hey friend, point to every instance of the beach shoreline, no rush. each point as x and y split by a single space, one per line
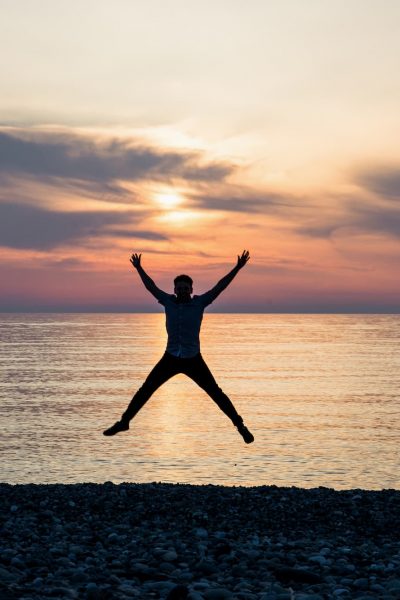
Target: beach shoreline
177 541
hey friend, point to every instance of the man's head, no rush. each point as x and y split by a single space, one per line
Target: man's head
183 287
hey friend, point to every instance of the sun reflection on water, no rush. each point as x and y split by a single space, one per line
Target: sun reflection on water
320 393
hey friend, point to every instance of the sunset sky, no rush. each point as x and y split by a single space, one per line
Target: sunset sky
188 131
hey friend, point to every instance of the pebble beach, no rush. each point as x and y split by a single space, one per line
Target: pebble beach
177 542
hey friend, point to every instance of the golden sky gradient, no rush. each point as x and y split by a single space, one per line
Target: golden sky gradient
188 131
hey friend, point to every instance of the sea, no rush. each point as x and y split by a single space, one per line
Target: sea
321 394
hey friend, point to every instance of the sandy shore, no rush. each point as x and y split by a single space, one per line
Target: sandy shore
198 542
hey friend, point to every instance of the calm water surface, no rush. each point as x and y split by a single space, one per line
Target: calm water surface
320 393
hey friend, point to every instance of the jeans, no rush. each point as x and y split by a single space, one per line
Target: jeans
195 368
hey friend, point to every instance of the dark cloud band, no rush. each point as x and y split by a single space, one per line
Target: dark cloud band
82 158
32 227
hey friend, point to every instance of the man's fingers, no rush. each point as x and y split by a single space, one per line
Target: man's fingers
242 260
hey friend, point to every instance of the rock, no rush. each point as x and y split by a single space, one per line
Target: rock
288 574
93 591
222 548
159 586
319 559
376 587
218 594
178 592
128 590
38 582
170 556
79 576
393 585
207 567
195 596
7 576
362 583
201 533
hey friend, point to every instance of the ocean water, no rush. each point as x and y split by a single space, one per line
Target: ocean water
319 392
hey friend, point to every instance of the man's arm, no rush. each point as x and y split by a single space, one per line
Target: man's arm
147 280
225 281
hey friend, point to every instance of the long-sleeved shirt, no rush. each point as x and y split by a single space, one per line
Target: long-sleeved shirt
183 322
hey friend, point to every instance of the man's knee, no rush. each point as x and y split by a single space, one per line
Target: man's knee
146 389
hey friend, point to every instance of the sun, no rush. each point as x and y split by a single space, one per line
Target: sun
169 199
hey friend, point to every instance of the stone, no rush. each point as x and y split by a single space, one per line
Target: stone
218 594
178 592
195 596
170 556
288 574
362 583
201 533
128 590
319 559
207 567
7 576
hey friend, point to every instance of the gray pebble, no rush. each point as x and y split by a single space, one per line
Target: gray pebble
170 556
200 532
362 583
127 590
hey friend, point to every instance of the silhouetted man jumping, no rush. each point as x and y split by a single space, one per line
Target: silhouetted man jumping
184 314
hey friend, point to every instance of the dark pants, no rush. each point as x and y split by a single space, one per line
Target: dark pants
196 369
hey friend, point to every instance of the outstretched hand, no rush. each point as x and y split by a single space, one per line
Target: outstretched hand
242 260
135 260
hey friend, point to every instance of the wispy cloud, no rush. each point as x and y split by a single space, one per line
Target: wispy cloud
360 217
135 233
233 198
78 157
376 218
27 226
382 180
375 209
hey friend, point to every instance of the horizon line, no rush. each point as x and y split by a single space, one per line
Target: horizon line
232 312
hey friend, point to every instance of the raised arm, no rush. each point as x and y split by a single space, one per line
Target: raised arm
147 280
225 281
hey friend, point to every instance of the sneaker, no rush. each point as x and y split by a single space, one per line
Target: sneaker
245 433
116 428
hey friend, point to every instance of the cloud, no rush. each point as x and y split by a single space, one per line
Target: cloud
320 230
375 213
83 158
358 217
383 181
26 226
245 202
377 218
66 263
147 235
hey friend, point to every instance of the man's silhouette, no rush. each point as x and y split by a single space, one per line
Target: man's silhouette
184 314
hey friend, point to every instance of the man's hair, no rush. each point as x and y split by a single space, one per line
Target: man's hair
184 278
